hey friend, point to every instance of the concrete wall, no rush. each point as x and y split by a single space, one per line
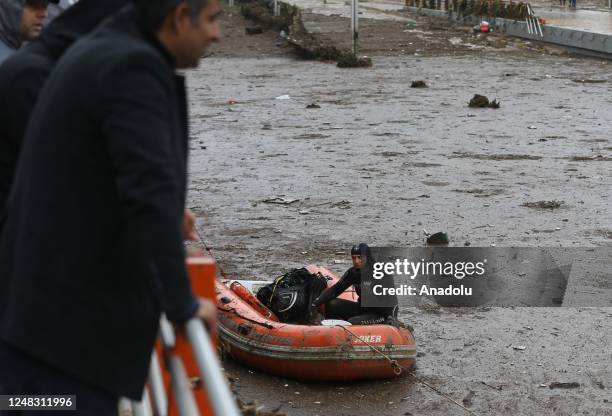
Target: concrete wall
579 41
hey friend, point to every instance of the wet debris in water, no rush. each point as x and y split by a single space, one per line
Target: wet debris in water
280 201
341 205
480 101
554 204
467 400
251 409
418 84
255 30
349 60
559 385
590 81
438 238
500 388
313 105
590 158
463 155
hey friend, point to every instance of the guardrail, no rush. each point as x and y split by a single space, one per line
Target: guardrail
185 377
155 400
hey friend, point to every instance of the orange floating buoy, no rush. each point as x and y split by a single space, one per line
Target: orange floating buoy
252 301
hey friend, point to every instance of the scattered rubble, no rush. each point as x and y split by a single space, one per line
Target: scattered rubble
252 409
554 204
467 400
480 101
255 30
438 238
280 201
465 155
349 60
590 81
558 385
599 158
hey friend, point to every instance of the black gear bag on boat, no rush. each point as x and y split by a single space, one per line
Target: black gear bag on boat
291 295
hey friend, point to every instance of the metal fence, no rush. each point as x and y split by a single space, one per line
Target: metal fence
487 8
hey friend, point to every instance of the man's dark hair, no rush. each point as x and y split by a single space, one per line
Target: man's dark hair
39 3
154 12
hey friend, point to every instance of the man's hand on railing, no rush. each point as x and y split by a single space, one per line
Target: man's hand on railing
207 312
189 230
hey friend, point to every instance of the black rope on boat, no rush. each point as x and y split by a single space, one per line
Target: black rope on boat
209 250
397 369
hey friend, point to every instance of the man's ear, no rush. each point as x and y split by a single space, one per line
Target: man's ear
182 16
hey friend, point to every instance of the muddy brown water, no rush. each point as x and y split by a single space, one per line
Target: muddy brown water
381 162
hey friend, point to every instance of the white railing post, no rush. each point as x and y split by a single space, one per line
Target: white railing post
143 408
158 391
211 374
214 381
182 389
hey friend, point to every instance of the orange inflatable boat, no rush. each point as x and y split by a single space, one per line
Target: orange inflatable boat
252 334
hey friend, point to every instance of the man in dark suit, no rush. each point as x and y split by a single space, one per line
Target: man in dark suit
24 73
91 253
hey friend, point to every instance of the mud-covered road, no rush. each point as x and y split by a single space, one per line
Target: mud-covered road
381 162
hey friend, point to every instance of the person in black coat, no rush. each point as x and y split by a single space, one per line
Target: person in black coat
92 253
24 73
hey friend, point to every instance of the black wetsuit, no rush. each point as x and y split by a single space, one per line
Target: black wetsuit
349 310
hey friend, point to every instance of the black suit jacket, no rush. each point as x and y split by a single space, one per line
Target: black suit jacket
92 252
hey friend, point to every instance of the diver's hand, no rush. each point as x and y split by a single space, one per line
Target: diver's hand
314 316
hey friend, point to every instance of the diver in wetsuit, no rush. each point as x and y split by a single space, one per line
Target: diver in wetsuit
347 310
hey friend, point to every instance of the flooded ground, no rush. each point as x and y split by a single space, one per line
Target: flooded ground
381 162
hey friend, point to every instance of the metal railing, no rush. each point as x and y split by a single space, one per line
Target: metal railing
215 384
533 23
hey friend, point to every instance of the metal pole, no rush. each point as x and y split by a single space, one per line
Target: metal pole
528 22
219 393
355 24
144 407
182 390
231 3
166 332
158 391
